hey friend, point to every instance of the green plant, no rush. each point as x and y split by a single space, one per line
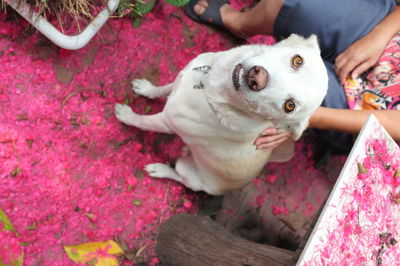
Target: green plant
138 8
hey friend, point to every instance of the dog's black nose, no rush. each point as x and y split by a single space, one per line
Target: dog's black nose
257 78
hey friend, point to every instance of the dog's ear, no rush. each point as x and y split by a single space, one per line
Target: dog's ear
295 39
312 41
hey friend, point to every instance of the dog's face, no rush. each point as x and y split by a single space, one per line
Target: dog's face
284 83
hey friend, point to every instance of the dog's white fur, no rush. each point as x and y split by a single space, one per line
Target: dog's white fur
219 122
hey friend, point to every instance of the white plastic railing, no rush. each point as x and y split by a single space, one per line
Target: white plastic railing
67 42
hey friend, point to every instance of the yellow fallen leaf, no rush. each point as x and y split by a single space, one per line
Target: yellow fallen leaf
107 262
98 253
7 225
14 262
16 258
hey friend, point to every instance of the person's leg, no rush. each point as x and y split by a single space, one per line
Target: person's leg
258 20
337 24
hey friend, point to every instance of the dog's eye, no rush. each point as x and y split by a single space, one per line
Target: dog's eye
297 61
289 106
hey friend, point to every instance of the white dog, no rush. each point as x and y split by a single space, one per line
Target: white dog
221 102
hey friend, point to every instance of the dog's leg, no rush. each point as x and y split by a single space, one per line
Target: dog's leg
145 88
283 153
145 122
185 172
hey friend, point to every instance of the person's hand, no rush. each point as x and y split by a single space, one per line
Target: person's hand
270 139
359 56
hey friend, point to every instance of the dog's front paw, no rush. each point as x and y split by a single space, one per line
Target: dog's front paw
143 87
160 170
124 113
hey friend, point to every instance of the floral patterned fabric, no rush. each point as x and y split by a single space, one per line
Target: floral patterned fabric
378 88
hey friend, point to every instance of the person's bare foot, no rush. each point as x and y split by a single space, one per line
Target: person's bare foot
229 15
257 19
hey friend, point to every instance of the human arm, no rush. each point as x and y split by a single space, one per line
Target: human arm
343 120
365 52
351 121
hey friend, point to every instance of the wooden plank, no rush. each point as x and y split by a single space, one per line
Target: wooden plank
198 240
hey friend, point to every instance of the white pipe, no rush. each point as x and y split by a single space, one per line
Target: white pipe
60 39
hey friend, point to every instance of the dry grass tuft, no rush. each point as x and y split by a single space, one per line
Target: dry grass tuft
75 8
65 11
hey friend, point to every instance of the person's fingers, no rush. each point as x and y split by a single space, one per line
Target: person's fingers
271 144
361 69
271 140
340 61
268 131
348 68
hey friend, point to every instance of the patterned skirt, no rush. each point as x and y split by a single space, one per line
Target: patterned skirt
378 88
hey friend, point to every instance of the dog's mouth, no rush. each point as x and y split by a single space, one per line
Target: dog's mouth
236 76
